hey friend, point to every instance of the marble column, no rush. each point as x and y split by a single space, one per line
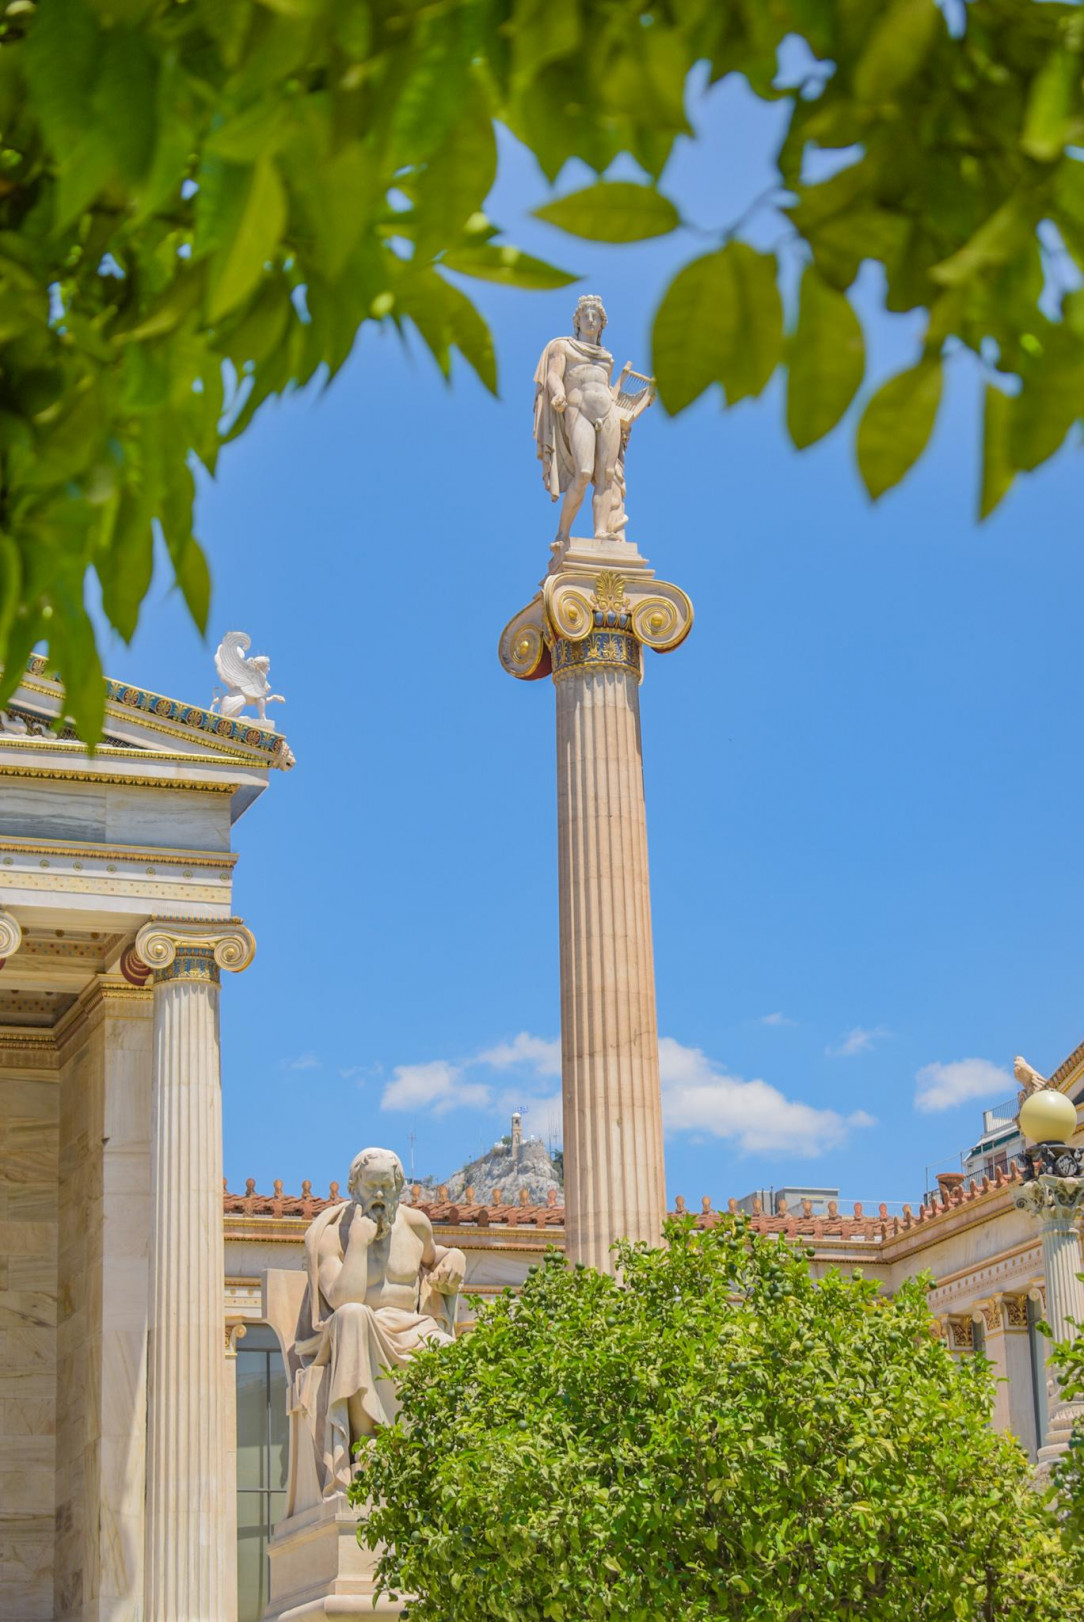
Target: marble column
188 1565
1056 1203
587 628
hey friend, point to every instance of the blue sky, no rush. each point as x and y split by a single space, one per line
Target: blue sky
863 769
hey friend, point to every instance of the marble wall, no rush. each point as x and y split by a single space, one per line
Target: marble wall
117 814
29 1112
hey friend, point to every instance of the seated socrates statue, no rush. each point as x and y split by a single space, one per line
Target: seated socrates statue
378 1290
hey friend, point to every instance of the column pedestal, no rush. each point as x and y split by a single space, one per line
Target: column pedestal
599 605
1057 1202
188 1566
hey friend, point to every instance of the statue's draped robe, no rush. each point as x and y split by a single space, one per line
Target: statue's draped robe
550 433
342 1352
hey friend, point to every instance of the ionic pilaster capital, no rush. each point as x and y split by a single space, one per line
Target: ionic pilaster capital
11 936
601 616
988 1313
233 1333
194 949
1057 1201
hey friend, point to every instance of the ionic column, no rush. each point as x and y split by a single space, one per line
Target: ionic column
586 628
187 1563
1056 1203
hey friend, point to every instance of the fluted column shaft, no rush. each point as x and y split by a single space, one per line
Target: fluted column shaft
1061 1264
599 606
614 1175
187 1564
1057 1202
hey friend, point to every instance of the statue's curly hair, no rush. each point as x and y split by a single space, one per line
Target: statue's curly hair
588 301
360 1161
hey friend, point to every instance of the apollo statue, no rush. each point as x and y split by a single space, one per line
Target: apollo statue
379 1289
582 422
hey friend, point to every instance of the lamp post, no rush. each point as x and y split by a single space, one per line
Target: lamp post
1053 1193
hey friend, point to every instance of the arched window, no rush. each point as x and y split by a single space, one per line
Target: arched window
262 1462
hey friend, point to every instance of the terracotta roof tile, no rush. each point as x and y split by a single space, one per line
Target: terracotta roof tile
440 1210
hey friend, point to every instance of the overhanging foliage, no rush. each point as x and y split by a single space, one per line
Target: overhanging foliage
202 201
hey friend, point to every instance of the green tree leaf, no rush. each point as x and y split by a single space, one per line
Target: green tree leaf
1050 401
999 239
612 211
720 321
896 426
997 469
506 265
126 563
457 179
256 204
123 102
1054 90
899 45
827 360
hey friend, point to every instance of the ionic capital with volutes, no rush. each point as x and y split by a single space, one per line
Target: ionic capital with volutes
194 949
586 617
11 936
1057 1201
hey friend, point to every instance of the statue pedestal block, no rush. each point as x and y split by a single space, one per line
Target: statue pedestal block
319 1570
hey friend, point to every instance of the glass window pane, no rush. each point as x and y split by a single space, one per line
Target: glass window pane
251 1556
258 1338
279 1459
252 1419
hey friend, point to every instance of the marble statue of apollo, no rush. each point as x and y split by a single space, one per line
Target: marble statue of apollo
582 422
379 1289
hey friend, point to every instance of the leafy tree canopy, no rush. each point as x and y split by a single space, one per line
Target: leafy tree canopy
201 201
1068 1475
718 1437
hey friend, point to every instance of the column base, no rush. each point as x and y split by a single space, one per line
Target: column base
1058 1432
319 1569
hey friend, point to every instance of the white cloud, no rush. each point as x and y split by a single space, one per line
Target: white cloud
698 1096
857 1040
544 1057
441 1085
305 1061
775 1019
437 1086
943 1086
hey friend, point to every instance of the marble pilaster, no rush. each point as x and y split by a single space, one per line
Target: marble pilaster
599 605
188 1565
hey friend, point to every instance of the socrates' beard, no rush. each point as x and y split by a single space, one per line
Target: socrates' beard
381 1214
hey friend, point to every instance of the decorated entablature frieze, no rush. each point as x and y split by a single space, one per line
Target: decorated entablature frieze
585 618
254 738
